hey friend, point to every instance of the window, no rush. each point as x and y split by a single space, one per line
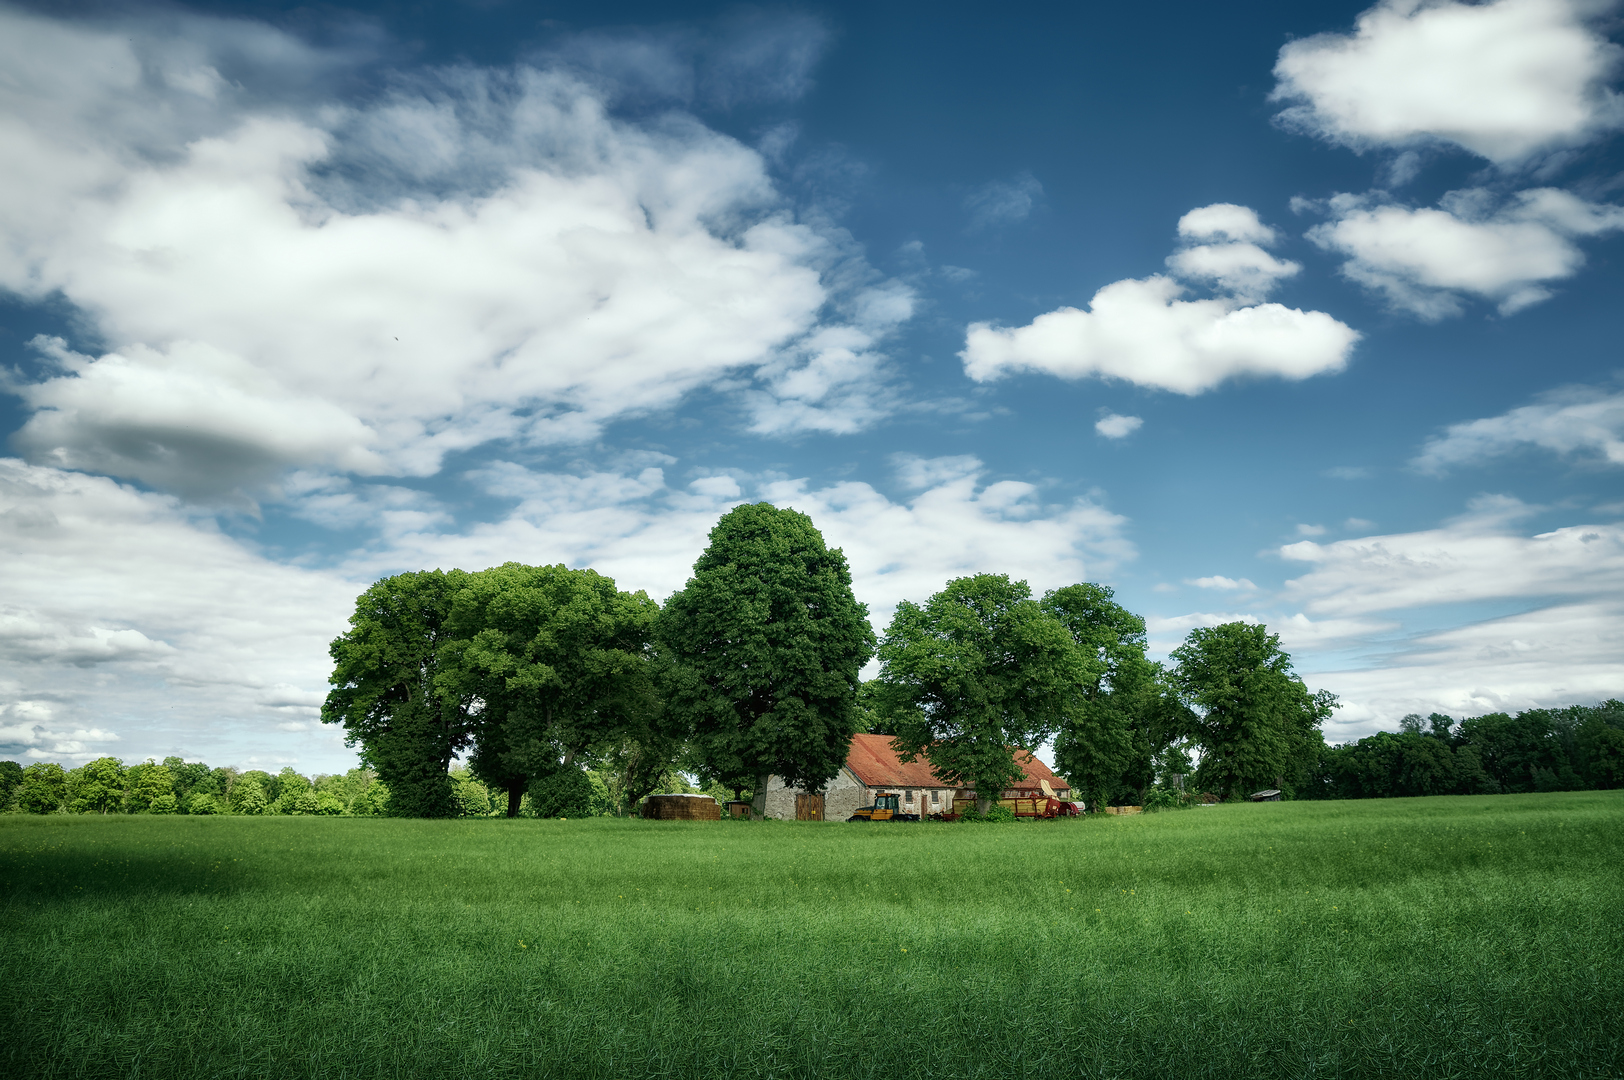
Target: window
907 796
936 796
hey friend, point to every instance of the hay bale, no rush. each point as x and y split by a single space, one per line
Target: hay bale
682 808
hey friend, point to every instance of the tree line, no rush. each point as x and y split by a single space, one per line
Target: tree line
176 786
1571 749
540 677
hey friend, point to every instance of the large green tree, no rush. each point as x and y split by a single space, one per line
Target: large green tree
1123 713
1257 724
97 787
389 696
976 673
43 788
561 662
765 644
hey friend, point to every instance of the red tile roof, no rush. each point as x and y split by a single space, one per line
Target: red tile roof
873 761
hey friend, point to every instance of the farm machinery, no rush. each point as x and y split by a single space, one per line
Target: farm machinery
1039 802
887 807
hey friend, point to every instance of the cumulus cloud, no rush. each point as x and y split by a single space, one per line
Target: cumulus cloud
1113 426
478 254
1504 80
1563 654
1476 557
1218 581
1585 422
1141 331
646 532
126 616
1003 202
1543 628
1429 260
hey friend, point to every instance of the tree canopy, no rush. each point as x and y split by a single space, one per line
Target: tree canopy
976 673
389 695
560 661
1122 713
764 645
1257 724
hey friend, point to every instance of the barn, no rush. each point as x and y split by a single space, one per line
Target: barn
872 767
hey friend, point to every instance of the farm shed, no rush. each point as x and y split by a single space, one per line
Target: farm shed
872 767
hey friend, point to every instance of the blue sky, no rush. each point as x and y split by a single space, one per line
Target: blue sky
1301 314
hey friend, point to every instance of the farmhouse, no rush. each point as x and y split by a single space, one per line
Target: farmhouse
872 767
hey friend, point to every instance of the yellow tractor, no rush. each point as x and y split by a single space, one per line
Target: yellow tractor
887 807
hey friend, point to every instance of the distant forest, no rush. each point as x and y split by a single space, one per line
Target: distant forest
1570 749
176 786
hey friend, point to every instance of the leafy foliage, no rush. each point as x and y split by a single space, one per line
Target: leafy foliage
763 647
977 672
388 693
560 661
1257 724
1123 712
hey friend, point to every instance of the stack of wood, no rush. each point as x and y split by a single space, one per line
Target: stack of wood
682 808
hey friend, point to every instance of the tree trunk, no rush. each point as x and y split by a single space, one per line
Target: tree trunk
515 793
983 804
759 804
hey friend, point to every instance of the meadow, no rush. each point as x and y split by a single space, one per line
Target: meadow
1447 937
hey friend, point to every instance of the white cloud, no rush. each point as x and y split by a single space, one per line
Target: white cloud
125 614
1310 530
1581 421
1003 202
480 254
1218 581
1428 260
1476 557
1139 330
1505 80
646 534
1113 426
1564 654
1225 221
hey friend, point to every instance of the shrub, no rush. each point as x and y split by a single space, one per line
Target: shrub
202 803
566 793
996 813
328 804
164 804
1165 799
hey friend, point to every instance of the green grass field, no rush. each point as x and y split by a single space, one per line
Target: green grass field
1396 938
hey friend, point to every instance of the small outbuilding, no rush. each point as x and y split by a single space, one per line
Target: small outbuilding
1266 795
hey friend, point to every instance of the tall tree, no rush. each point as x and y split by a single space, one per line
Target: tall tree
976 673
389 696
560 660
766 642
1123 713
43 788
1257 724
97 787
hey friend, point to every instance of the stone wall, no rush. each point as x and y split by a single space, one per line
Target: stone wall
843 796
